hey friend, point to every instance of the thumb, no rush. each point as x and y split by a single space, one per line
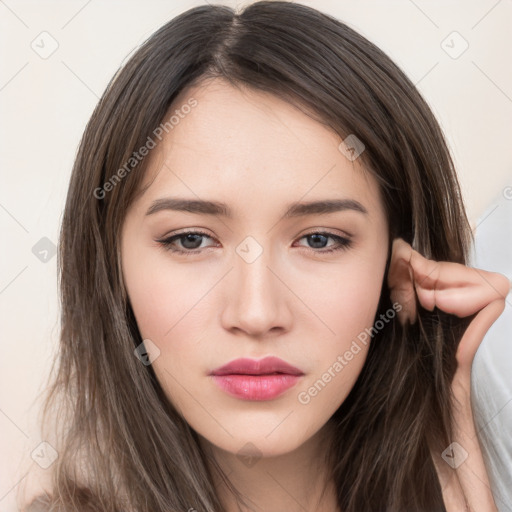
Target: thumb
401 280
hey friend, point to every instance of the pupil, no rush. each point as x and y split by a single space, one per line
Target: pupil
316 238
193 239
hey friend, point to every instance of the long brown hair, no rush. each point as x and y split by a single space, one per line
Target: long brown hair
121 444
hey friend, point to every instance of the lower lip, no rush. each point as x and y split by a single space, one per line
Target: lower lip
256 387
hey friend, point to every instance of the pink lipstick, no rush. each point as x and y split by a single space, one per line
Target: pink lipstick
251 379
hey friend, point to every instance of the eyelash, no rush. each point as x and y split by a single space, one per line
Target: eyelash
343 243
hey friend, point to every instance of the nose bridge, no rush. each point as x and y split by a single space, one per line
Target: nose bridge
257 300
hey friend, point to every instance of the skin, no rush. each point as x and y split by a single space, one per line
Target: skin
257 154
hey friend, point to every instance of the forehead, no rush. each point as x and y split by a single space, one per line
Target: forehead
241 145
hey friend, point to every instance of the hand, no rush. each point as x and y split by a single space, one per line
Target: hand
461 291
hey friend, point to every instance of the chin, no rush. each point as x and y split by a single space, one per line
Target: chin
264 443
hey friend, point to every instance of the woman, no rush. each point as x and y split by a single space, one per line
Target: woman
257 372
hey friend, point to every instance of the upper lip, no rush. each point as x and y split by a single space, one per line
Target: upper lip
265 366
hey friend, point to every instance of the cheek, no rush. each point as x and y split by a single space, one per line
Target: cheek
343 297
356 304
349 302
346 301
172 308
165 298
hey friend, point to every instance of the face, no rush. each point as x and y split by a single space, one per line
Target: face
256 274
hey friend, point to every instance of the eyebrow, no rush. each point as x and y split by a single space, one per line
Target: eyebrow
296 209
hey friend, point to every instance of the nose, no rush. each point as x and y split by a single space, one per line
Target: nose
257 300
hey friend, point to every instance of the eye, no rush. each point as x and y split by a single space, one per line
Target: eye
191 242
319 240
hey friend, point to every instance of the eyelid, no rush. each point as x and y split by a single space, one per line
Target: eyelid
326 231
186 231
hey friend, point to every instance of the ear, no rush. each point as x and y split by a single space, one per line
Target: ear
401 280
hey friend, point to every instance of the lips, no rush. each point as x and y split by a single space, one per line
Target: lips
251 379
266 366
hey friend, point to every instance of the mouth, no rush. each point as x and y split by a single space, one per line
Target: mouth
257 380
266 366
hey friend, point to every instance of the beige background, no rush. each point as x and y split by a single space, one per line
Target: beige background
46 102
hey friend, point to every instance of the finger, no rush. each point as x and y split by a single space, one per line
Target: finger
455 288
475 333
400 280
